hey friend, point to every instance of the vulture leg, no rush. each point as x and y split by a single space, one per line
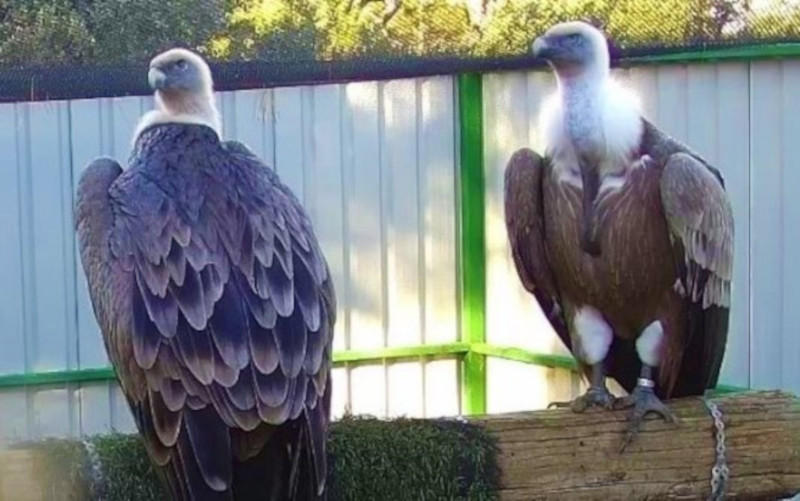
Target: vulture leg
591 338
596 396
643 399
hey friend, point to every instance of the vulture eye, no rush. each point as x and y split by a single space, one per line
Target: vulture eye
181 64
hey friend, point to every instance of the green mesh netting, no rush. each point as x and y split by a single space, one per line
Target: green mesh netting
299 41
114 31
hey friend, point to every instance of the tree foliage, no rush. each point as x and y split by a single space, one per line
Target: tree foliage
106 31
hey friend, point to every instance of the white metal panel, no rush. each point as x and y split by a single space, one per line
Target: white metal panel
327 193
289 133
53 412
436 136
509 124
790 293
776 234
368 390
12 313
340 392
404 382
671 96
442 388
47 196
95 408
516 386
402 207
766 246
251 121
362 199
51 337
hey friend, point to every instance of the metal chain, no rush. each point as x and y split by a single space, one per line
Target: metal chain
720 471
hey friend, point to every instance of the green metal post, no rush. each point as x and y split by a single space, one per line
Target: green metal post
473 244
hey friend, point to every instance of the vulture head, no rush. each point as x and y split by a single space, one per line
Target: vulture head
180 71
184 91
574 48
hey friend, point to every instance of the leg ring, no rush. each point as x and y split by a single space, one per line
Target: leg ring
645 383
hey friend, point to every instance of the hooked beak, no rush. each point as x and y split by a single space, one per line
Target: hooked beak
541 48
157 79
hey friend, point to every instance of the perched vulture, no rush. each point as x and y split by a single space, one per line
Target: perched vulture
623 235
215 302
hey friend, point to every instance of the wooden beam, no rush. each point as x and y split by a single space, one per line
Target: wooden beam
561 455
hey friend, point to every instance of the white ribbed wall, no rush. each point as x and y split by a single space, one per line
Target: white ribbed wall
376 165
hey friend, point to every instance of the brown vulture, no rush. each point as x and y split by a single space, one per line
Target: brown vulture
623 235
214 299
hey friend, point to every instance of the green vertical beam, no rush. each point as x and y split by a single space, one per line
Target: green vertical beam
473 243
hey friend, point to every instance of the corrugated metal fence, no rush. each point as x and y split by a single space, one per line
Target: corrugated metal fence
376 165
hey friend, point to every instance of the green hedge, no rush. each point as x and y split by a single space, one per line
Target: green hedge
371 459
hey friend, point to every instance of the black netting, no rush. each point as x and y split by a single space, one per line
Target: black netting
81 48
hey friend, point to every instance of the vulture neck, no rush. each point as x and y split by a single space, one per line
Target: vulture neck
183 108
597 129
596 121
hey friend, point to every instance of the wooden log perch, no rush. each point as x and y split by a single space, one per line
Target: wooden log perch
539 455
561 455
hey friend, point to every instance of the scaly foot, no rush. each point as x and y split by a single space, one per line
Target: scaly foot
595 396
643 400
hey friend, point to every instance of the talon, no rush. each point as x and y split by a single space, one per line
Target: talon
644 401
594 397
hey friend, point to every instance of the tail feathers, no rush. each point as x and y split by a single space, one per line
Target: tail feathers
702 356
192 474
287 462
284 469
317 438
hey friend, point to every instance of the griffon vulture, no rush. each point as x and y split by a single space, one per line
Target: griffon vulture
623 235
214 299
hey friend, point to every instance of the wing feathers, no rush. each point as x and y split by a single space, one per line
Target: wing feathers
291 338
195 349
263 349
700 220
280 413
190 297
281 286
272 388
525 224
146 338
307 295
229 329
229 306
211 446
166 423
700 216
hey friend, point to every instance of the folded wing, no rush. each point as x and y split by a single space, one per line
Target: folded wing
524 214
215 287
